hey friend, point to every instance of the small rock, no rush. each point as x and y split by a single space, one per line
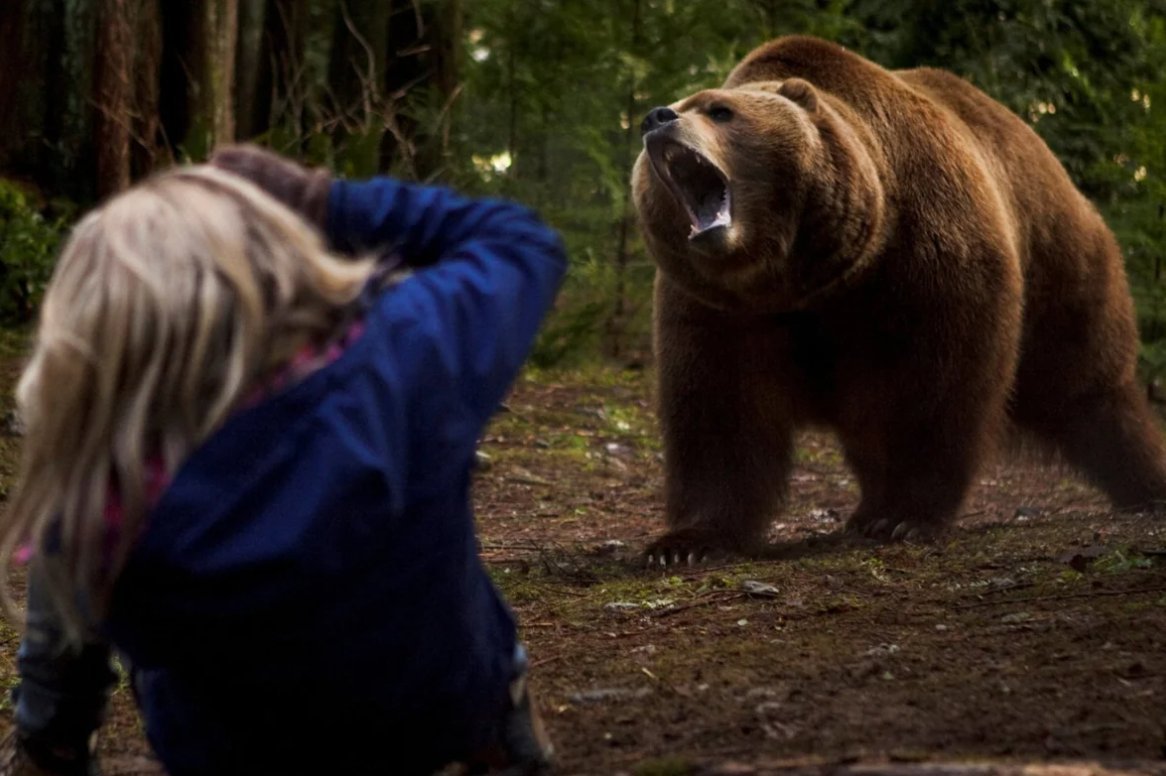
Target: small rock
527 477
600 695
483 462
1016 617
882 650
621 606
618 450
759 589
762 692
825 515
609 547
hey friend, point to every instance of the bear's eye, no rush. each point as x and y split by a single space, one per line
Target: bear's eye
719 114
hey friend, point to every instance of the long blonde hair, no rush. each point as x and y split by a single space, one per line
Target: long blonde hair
167 305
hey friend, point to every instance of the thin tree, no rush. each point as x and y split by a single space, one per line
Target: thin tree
149 149
14 64
198 74
280 89
356 78
249 64
113 93
218 98
616 321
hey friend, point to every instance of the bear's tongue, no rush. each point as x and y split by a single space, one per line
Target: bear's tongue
699 186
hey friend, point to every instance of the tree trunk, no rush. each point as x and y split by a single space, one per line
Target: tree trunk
356 77
404 72
218 95
70 98
616 322
14 72
280 103
445 66
248 66
113 91
181 60
198 74
149 147
49 164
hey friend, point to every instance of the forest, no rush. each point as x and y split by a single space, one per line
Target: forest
537 100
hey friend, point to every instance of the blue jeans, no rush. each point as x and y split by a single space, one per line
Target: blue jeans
63 691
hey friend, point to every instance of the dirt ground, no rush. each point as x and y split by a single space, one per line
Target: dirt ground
1032 639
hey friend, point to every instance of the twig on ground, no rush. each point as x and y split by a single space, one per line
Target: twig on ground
714 597
536 663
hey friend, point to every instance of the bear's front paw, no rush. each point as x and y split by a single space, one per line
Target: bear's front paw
890 530
685 546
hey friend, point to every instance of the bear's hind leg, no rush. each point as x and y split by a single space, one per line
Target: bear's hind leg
914 488
916 452
1116 441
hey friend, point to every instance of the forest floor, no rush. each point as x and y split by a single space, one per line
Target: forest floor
1031 639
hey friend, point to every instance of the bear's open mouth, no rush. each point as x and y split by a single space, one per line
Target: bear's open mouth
696 183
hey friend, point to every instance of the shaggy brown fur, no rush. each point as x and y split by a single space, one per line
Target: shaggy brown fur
903 261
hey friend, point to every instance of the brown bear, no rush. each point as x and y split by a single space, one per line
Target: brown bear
890 255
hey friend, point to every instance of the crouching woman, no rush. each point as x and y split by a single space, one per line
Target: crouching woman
247 465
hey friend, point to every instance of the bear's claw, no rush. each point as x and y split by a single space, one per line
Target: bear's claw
662 558
683 547
905 532
885 530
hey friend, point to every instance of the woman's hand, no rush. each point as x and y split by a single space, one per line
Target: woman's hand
302 189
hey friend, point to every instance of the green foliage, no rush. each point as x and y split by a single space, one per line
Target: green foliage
1123 560
1068 68
28 247
554 93
553 100
549 96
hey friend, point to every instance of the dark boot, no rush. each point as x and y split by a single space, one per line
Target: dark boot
21 755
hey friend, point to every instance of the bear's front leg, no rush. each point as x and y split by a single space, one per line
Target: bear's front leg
727 433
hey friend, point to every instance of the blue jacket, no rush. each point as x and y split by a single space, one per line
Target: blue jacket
307 596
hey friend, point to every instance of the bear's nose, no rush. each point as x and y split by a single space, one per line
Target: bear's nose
656 118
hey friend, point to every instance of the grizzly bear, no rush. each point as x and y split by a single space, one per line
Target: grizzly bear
891 255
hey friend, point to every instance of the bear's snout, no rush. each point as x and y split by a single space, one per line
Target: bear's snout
656 118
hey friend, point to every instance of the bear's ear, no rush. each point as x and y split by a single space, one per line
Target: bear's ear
801 92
